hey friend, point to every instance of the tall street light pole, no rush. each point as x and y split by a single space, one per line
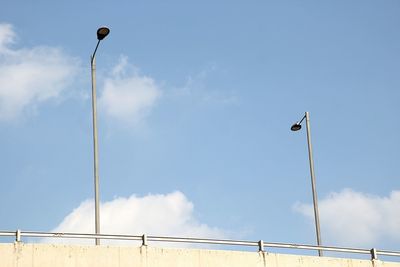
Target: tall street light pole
101 34
296 127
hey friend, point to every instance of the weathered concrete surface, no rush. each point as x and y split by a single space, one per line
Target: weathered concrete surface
44 255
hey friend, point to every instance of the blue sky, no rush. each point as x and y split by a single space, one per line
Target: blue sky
196 100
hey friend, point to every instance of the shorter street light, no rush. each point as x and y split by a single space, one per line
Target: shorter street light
296 127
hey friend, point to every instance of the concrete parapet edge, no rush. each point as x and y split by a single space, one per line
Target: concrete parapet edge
56 255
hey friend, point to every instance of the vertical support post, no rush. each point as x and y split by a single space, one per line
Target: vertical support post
313 184
95 151
144 240
18 235
374 254
261 246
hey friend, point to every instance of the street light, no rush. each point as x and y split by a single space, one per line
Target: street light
101 34
296 127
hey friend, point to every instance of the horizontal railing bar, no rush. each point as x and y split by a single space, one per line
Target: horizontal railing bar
388 253
200 240
81 235
252 243
312 247
5 233
194 240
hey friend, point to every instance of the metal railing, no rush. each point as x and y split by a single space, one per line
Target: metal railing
146 238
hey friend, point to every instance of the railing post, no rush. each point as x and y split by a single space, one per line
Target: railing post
18 235
261 246
144 240
374 254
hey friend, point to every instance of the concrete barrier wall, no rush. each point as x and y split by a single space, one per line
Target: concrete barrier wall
44 255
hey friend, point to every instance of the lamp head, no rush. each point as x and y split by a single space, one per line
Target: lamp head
102 33
295 127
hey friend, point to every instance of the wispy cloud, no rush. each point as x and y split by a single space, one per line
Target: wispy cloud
357 219
170 214
7 37
128 96
198 90
30 76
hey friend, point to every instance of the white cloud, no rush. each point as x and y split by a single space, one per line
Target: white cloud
169 215
7 36
351 218
30 76
128 96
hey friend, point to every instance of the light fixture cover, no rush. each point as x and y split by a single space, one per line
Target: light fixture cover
295 127
102 33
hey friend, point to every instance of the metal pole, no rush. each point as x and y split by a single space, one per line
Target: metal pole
96 160
314 191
